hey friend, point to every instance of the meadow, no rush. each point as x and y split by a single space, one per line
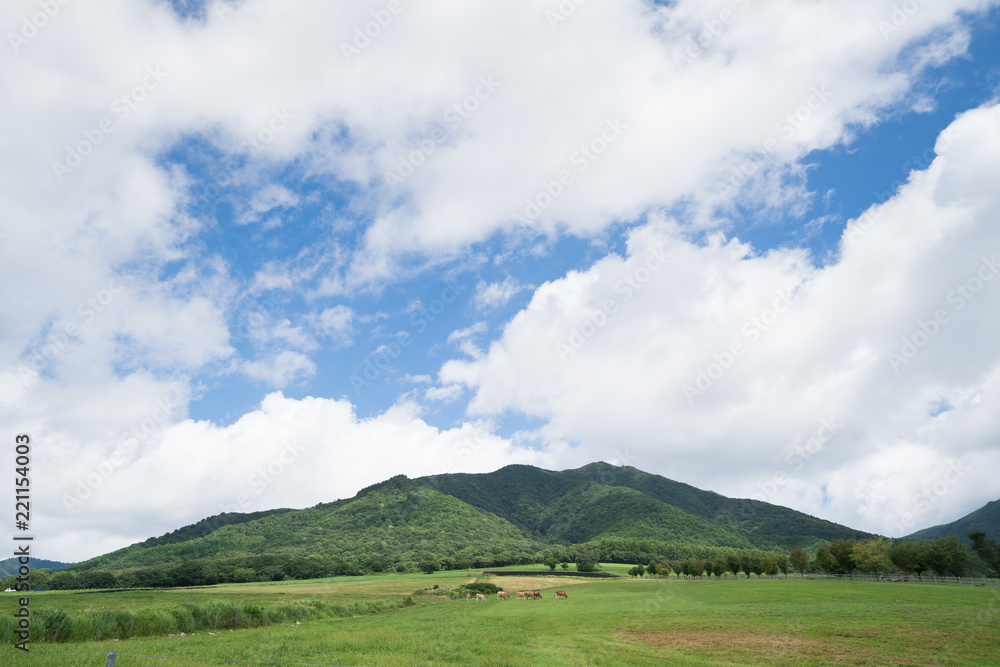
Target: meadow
382 620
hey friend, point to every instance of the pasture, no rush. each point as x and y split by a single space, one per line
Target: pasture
601 622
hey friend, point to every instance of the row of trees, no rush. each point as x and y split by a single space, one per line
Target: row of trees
733 563
945 556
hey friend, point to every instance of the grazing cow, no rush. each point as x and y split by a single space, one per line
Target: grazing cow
468 596
535 595
502 596
522 595
480 597
561 594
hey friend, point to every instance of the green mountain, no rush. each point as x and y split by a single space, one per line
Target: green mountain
986 518
10 565
395 521
516 515
523 494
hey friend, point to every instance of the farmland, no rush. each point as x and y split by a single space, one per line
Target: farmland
369 621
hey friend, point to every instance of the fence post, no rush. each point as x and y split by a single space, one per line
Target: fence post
111 659
54 637
5 632
131 627
98 630
161 629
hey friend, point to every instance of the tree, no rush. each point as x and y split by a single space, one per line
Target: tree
552 563
697 568
907 556
586 563
733 564
843 552
428 567
825 560
988 550
640 569
564 566
746 564
767 565
677 567
782 562
719 568
653 568
800 560
948 556
872 555
633 571
757 565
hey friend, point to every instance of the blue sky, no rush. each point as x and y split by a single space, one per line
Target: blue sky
746 246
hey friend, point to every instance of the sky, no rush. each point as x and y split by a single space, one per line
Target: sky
263 254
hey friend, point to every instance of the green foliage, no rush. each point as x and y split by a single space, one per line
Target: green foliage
988 550
483 587
986 518
767 565
429 567
826 561
799 559
948 556
843 552
872 555
909 557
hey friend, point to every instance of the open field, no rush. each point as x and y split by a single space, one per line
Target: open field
603 622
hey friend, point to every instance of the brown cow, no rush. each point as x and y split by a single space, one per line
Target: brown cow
561 594
502 596
468 596
522 595
480 597
535 595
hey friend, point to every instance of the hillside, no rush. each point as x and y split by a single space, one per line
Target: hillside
397 521
10 565
986 518
523 494
516 515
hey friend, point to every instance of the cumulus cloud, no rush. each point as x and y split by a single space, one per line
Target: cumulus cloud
817 377
286 453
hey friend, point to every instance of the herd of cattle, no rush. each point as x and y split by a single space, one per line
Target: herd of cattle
526 595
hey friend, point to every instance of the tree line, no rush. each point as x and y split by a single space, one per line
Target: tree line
944 556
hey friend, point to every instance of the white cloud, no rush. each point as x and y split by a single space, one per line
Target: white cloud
268 458
337 324
446 394
280 370
496 295
612 354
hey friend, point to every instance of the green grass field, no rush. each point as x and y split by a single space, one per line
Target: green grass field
603 622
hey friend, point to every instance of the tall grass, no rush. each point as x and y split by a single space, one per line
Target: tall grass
56 625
